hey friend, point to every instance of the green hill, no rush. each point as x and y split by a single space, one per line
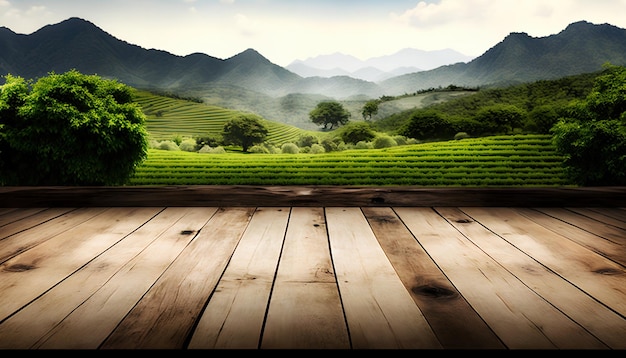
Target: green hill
168 117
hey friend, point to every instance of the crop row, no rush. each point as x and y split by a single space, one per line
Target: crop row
167 117
469 162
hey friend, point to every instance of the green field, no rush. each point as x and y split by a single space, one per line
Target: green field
169 117
520 160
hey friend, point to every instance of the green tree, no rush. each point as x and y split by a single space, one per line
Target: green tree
592 137
428 124
69 129
370 109
500 118
329 112
357 131
245 130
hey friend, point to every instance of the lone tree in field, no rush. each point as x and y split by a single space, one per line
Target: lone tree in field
245 130
69 129
329 112
370 109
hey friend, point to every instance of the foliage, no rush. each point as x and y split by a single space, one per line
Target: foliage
168 145
329 112
384 141
317 149
307 140
461 112
592 137
210 139
289 148
245 130
500 118
69 129
355 132
428 125
370 108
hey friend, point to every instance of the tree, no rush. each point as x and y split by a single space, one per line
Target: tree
592 137
356 132
370 109
245 130
69 129
329 112
500 118
428 124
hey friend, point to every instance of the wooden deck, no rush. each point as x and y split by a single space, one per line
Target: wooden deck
262 276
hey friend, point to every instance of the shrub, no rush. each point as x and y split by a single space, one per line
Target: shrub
168 145
317 149
384 141
290 148
188 145
69 129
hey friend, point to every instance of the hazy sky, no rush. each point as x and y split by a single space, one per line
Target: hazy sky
286 30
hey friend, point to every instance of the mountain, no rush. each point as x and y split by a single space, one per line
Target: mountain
376 69
78 44
249 80
582 47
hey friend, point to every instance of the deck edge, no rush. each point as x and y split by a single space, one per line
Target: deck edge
351 196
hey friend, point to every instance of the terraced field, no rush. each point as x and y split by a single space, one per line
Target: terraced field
521 160
168 117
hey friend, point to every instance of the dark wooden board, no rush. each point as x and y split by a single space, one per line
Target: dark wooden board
276 196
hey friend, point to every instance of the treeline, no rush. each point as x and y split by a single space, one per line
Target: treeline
527 108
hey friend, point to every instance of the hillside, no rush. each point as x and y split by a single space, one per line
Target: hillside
168 117
582 47
250 82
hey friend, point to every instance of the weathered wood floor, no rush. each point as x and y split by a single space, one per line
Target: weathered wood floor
307 277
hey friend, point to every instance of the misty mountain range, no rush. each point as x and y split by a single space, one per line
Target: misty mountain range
376 69
249 81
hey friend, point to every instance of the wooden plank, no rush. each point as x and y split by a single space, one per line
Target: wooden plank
380 312
83 309
310 195
112 302
165 315
595 274
25 219
614 213
23 240
453 320
587 233
608 216
305 310
521 318
33 272
9 215
235 314
607 231
600 321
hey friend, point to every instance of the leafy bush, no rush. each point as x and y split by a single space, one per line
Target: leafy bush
168 145
355 132
290 148
317 149
188 145
69 129
384 141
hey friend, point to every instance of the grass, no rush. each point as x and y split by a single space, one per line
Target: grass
520 160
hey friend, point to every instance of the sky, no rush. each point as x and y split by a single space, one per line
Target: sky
288 30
